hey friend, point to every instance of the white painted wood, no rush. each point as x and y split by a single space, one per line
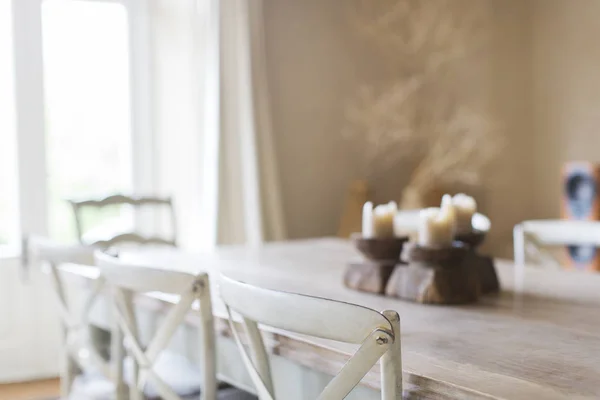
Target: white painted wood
78 205
371 350
24 303
126 280
391 363
125 238
259 353
208 348
530 237
78 350
344 322
317 317
257 368
139 278
562 232
44 249
118 352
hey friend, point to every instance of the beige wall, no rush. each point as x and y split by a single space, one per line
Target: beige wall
566 66
310 65
315 62
508 190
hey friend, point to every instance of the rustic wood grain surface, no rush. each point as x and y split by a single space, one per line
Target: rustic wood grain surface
543 343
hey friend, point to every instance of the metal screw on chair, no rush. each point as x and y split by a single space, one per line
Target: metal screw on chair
381 340
198 286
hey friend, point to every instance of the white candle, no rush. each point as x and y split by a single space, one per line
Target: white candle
383 215
367 220
465 207
437 225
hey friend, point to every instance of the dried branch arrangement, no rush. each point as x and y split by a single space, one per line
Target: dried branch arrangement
422 117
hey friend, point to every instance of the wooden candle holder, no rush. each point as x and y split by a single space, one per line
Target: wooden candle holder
484 265
381 256
436 276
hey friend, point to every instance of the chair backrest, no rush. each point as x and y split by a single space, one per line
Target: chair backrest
407 221
58 255
377 333
45 249
126 280
531 236
124 237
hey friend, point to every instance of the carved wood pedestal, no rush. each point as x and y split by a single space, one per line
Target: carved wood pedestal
484 265
368 276
436 276
454 275
381 257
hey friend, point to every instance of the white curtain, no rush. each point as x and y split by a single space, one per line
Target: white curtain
248 199
214 125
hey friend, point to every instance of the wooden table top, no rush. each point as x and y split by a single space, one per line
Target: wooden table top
544 344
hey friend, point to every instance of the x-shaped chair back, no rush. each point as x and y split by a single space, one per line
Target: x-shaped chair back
127 280
377 333
75 325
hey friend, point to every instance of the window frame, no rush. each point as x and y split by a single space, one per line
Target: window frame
32 185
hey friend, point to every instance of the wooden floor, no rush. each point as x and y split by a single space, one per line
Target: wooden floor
35 390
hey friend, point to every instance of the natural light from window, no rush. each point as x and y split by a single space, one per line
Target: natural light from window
88 111
8 165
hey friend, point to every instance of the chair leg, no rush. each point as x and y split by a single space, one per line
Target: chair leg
208 356
68 372
391 363
117 359
135 392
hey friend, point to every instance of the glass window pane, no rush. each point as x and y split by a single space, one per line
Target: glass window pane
8 165
86 79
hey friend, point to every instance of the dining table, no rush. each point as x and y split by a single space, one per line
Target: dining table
540 341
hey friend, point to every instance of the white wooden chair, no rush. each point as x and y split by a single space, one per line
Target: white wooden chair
78 350
138 202
531 237
378 335
128 280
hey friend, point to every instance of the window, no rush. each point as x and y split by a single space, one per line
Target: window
8 164
88 109
81 106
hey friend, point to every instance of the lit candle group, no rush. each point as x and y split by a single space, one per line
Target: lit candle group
378 222
465 207
437 226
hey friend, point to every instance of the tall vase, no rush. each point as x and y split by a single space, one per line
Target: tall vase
357 195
